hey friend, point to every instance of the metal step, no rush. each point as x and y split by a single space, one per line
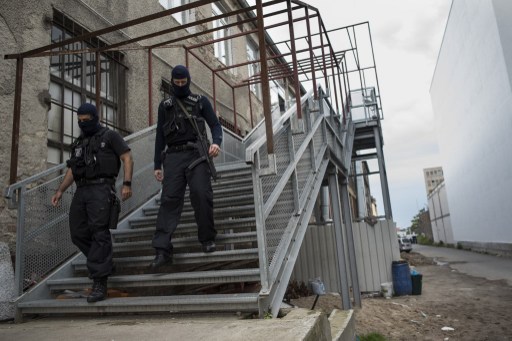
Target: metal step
245 211
226 201
161 279
232 238
182 303
221 224
241 210
180 258
226 191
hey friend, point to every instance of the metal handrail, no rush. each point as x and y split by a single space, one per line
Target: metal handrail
9 192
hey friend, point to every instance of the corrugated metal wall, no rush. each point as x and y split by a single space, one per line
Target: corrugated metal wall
375 247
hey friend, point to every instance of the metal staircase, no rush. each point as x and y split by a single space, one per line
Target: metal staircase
261 212
263 202
195 282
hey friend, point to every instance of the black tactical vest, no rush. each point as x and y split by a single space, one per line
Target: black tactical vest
93 158
177 127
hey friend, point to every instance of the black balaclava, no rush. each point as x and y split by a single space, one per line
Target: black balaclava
180 72
91 127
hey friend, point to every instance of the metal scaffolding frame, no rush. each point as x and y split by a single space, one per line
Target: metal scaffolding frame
277 61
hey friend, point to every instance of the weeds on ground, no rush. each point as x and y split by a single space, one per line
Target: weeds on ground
424 240
372 337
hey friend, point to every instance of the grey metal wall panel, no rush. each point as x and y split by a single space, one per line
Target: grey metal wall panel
317 257
375 247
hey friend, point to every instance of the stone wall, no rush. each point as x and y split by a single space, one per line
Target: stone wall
25 25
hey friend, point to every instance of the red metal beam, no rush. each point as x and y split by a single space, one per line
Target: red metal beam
16 122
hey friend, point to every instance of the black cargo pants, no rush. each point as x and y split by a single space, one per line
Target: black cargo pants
176 178
89 217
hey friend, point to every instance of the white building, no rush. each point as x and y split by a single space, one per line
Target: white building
472 101
433 177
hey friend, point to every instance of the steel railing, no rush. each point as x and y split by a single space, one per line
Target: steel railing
281 197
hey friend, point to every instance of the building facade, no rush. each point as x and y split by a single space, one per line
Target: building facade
471 96
55 86
439 216
433 177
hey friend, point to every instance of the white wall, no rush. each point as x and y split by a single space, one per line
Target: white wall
439 213
472 102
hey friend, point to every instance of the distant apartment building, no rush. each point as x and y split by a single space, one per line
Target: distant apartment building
471 95
438 215
433 177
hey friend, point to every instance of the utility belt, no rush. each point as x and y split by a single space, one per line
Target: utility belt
181 147
86 182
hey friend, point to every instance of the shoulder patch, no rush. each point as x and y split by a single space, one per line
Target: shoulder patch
168 103
194 97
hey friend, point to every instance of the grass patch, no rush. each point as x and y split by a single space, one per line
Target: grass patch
372 337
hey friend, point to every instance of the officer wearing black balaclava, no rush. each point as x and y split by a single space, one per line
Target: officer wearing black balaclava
92 126
94 165
176 150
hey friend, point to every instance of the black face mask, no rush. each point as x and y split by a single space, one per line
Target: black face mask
90 127
181 91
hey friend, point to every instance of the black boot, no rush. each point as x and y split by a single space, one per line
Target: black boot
209 246
160 260
99 291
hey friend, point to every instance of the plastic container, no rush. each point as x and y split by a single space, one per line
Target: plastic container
402 283
416 283
386 289
317 286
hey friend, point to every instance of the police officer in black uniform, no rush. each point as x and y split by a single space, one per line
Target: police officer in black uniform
176 131
94 165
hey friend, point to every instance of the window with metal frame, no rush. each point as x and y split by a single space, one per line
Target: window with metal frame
222 49
254 68
182 17
73 82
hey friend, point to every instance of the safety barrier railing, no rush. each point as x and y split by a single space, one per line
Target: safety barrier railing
42 232
280 197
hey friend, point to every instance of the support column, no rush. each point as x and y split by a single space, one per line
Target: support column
340 247
383 175
150 87
347 219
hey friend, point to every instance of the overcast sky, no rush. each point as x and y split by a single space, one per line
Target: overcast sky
406 35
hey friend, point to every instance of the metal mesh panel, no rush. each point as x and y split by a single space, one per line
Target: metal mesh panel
318 140
282 153
45 241
304 170
298 139
278 219
330 139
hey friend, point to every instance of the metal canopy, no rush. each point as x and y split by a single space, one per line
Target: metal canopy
310 57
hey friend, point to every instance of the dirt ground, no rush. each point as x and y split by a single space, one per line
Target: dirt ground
476 308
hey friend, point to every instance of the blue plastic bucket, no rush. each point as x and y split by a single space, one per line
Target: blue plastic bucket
402 283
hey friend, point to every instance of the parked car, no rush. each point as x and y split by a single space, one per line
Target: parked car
404 244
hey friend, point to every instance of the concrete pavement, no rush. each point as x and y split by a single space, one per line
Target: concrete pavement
471 263
298 324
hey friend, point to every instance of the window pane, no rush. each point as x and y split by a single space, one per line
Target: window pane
74 79
221 48
53 156
54 122
55 92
